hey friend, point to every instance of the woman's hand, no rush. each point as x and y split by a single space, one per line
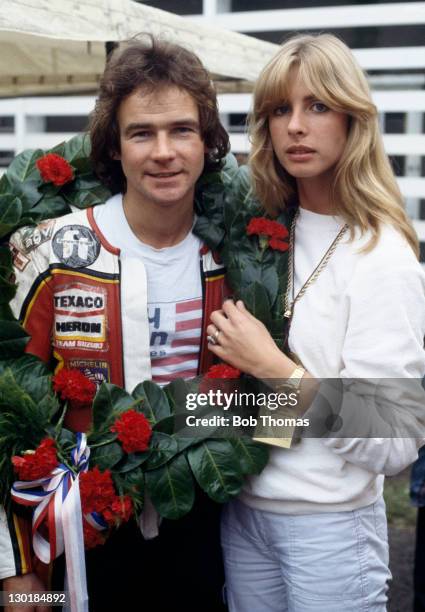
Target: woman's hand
244 342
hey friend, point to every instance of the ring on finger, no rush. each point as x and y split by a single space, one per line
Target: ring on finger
213 338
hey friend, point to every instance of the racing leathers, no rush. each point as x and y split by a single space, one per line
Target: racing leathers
71 299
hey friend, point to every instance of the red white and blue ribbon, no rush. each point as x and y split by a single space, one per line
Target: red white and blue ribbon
57 504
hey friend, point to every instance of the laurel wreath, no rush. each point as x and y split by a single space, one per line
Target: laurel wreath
29 409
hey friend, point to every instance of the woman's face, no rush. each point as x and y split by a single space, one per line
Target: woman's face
308 137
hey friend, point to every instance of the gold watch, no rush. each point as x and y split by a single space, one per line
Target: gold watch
294 381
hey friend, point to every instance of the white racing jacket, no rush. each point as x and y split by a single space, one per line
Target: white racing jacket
72 299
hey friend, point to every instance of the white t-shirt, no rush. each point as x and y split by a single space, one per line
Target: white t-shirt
174 291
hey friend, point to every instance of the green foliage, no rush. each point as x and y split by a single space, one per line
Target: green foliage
215 465
252 457
110 401
171 488
25 199
26 410
29 409
209 203
400 512
107 456
10 213
257 275
23 168
155 404
163 448
7 286
13 339
132 461
133 484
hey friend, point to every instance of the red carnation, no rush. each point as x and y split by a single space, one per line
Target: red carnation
74 387
37 464
119 511
96 490
133 431
213 379
55 169
266 227
274 231
278 245
257 225
277 230
92 536
222 370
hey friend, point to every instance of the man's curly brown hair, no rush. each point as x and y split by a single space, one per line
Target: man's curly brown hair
149 65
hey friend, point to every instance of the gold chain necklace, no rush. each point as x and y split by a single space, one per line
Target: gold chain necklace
289 307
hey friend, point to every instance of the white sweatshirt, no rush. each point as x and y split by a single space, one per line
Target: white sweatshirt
364 317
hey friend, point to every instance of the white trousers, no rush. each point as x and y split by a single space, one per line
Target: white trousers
328 562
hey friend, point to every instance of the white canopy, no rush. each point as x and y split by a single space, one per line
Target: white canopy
54 46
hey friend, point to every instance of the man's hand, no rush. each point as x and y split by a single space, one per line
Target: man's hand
29 583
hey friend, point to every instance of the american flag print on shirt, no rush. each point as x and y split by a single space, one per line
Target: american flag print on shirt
175 339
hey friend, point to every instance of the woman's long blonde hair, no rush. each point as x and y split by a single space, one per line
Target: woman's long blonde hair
365 192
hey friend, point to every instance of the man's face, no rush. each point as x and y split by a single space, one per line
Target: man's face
161 148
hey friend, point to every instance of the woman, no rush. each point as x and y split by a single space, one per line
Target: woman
309 533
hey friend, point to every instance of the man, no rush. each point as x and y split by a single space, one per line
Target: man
123 292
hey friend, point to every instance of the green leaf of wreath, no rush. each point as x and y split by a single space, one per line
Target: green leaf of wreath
165 425
66 439
54 206
109 401
163 448
24 368
171 488
252 456
27 191
133 484
34 378
85 191
176 392
7 286
155 404
76 151
23 167
215 465
58 149
17 406
13 339
256 300
132 461
106 457
10 213
22 425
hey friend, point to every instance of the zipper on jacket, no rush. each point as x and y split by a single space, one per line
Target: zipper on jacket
203 337
120 321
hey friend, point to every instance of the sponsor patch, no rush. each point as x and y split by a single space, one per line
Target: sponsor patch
76 246
97 371
20 261
80 317
29 238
